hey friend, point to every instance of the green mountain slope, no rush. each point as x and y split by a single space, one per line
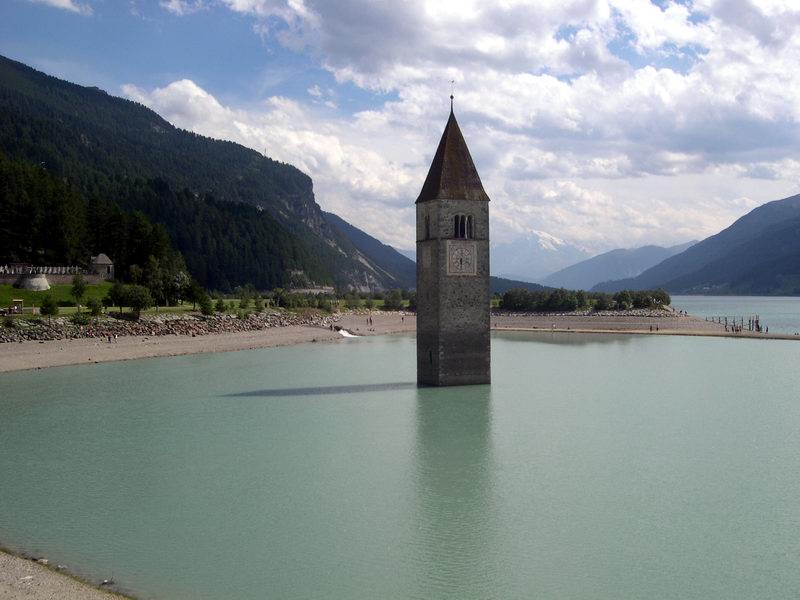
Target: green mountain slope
710 266
500 285
111 148
224 244
769 263
616 264
94 138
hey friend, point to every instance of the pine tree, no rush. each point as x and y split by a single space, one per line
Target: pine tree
49 307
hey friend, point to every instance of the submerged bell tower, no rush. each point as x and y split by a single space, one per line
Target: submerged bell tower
453 298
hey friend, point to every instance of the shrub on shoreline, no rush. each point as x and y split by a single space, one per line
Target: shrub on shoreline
562 300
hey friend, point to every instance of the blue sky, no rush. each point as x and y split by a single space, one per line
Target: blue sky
139 41
593 123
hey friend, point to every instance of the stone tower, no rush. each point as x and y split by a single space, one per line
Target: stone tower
453 299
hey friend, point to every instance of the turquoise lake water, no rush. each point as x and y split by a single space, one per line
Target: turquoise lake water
780 313
597 467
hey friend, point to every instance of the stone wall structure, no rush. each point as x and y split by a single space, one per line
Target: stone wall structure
17 274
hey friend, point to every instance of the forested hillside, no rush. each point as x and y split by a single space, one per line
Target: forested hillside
237 216
98 140
44 221
224 244
769 263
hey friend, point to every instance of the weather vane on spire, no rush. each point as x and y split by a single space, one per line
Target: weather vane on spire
452 89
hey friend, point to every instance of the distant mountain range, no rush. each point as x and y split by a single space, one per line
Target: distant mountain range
500 285
236 216
411 254
534 256
758 254
386 257
615 264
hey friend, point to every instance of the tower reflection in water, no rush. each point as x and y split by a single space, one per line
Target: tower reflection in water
455 503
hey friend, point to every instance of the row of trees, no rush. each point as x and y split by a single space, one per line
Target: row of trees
160 284
141 297
392 300
561 300
376 295
45 221
136 297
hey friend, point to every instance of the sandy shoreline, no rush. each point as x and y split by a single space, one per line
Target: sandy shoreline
25 579
670 324
38 355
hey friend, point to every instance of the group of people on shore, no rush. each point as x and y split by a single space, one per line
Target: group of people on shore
736 324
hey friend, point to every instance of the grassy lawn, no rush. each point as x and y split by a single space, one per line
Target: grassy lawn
60 294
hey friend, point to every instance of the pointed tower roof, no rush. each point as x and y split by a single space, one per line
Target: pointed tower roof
452 175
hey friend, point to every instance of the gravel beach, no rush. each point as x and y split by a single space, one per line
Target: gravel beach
24 579
174 337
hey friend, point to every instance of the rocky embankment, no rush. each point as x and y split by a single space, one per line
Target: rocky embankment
156 325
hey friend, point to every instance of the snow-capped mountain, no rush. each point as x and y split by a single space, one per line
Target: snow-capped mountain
534 256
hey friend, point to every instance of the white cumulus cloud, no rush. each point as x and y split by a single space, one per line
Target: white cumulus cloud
82 8
182 7
602 122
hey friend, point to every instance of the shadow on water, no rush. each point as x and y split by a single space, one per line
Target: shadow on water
328 390
560 338
455 495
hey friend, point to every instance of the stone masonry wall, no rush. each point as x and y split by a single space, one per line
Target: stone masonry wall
453 318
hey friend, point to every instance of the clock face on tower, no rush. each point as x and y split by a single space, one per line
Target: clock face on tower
461 258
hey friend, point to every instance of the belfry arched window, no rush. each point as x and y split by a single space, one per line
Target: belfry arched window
463 226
